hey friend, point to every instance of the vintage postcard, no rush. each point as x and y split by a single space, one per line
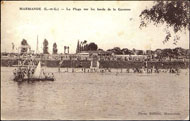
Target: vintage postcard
95 60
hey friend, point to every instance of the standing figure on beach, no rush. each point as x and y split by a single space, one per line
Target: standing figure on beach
59 68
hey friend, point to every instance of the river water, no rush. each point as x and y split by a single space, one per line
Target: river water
96 96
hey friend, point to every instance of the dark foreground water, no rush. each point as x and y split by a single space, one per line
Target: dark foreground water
96 96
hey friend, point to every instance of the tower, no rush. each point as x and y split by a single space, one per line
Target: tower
13 46
78 46
37 51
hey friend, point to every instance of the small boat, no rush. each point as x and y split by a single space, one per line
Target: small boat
30 73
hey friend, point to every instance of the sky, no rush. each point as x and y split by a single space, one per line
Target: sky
107 29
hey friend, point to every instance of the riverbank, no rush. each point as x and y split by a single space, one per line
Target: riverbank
103 64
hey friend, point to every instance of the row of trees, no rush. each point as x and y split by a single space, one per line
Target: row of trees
45 47
81 46
176 52
125 51
84 46
24 47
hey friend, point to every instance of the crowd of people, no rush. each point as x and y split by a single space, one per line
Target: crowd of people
122 70
26 70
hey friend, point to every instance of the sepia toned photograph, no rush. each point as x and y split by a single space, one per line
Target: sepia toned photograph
95 60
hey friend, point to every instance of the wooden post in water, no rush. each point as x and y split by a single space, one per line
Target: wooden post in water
59 67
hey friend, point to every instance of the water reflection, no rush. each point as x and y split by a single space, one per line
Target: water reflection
25 97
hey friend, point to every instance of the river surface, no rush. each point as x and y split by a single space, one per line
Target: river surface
96 96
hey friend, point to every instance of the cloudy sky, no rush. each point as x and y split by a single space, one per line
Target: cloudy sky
107 29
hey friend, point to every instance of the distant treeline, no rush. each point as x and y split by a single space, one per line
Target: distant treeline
178 51
84 46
